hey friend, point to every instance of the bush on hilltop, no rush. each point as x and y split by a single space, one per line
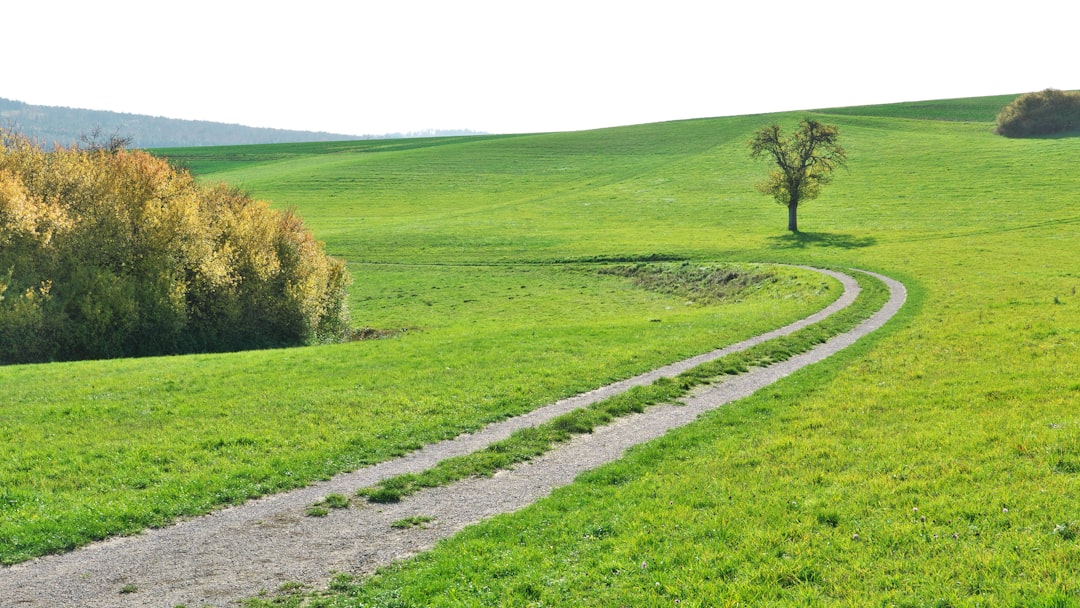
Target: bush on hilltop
1044 113
108 252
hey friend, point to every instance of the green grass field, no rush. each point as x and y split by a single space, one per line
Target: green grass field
936 463
93 449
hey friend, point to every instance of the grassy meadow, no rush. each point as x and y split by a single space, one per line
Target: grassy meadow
98 448
935 463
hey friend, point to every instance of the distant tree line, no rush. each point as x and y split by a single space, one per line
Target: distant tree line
1047 112
51 125
107 252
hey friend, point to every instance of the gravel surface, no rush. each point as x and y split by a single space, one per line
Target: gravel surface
238 552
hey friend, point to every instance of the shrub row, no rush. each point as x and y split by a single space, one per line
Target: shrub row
1044 113
110 252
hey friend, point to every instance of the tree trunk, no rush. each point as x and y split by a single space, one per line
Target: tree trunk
792 217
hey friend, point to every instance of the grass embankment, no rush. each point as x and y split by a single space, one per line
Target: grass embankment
933 465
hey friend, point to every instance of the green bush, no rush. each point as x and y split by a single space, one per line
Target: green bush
1044 113
107 253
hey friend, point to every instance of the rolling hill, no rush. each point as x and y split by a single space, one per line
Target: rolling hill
936 463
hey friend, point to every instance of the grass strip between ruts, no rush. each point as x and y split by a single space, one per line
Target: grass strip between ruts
531 442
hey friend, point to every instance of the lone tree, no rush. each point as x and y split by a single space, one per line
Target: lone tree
804 162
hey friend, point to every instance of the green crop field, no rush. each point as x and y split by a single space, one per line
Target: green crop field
935 463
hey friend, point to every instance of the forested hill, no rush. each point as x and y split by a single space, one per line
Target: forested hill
51 125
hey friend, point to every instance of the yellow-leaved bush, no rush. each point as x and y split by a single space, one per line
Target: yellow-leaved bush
109 253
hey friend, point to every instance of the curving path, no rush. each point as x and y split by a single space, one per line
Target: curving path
238 552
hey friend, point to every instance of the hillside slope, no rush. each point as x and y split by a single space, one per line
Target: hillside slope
935 464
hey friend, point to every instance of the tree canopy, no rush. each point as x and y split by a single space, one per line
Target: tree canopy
108 252
804 162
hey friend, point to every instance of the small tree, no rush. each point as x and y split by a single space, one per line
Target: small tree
804 162
97 141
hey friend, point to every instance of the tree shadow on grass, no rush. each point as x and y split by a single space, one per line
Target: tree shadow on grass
805 240
1062 135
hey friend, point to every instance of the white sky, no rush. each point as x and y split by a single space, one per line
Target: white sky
505 66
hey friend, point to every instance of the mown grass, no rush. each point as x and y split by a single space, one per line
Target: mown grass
970 109
964 411
966 408
528 443
95 449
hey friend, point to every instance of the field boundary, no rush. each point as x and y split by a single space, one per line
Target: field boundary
240 551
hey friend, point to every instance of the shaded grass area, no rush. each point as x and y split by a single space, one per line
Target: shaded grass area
697 284
528 443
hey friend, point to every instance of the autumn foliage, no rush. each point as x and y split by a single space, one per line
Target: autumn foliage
109 253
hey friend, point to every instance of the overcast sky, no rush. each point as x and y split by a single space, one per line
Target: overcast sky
508 66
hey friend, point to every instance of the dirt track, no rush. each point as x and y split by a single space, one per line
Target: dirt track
235 553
